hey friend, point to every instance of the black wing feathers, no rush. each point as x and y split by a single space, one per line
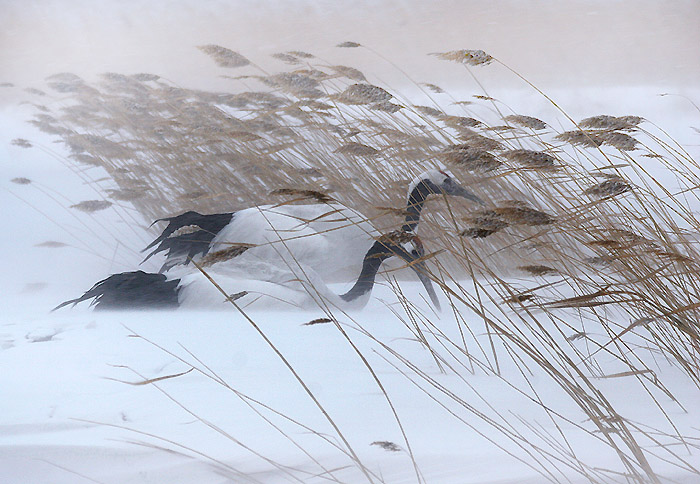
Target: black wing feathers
131 290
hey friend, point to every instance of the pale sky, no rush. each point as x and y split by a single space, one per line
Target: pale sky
557 43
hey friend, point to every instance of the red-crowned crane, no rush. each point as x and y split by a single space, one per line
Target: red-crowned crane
141 290
277 249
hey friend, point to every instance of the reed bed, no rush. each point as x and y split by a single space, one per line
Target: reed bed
582 266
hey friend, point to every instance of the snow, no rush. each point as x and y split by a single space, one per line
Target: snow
68 413
66 410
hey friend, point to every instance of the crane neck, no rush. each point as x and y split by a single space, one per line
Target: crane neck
370 266
414 206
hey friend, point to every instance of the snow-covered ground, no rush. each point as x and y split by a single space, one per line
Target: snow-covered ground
241 416
79 395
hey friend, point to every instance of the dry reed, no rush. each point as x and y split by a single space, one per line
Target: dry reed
169 149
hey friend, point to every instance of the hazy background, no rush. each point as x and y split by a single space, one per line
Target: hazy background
552 43
593 57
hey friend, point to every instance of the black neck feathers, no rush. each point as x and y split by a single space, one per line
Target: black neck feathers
377 254
416 199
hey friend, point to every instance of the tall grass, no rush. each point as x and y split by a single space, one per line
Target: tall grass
582 266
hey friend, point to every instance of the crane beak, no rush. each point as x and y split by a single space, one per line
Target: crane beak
418 265
457 190
422 272
415 259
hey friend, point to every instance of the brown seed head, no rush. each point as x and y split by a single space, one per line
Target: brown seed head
363 94
539 270
608 188
287 58
304 194
396 237
465 56
318 321
526 121
531 159
434 88
297 83
224 254
428 111
224 57
470 158
301 54
519 215
580 138
387 107
390 446
479 141
611 122
127 194
621 141
145 77
357 149
21 142
90 206
484 223
461 122
350 73
51 244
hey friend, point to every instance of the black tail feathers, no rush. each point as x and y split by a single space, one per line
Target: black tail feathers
181 248
131 290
